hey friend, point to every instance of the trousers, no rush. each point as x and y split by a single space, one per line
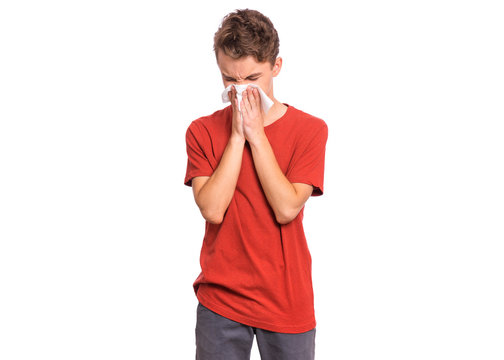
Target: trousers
219 338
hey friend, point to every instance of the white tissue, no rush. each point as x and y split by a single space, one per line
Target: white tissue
266 102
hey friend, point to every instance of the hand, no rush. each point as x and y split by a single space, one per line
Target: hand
253 114
237 122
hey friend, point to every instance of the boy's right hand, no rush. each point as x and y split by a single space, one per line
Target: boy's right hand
237 122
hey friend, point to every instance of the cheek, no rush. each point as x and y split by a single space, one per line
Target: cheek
265 84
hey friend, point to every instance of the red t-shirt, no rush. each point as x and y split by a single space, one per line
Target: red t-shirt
254 270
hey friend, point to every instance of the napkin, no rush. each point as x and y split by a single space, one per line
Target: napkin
266 102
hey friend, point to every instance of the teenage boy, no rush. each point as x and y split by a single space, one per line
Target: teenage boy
251 174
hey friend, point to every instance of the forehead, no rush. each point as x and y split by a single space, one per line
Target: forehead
243 66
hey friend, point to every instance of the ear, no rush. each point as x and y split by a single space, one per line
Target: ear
277 66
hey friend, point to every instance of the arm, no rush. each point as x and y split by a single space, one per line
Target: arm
285 198
214 193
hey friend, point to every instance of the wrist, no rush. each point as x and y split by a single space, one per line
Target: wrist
258 139
237 139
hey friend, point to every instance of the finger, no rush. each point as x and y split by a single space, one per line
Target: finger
244 108
235 103
250 97
242 102
245 99
234 99
256 102
257 97
230 96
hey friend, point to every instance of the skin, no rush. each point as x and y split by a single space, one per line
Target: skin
214 193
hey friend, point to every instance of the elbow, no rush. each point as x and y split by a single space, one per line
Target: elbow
286 216
213 217
214 220
211 214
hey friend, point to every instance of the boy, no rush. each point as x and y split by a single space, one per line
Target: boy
251 174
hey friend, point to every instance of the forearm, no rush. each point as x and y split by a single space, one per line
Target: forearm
214 196
281 194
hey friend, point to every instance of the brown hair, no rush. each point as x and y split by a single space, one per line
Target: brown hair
247 32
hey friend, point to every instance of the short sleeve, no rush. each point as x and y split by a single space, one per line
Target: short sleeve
197 162
307 165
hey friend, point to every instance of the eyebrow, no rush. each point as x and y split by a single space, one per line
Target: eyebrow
251 75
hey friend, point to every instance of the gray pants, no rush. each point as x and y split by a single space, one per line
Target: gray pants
218 338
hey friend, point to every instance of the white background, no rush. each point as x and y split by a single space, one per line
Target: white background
100 239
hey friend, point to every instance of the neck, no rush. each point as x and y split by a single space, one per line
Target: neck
275 112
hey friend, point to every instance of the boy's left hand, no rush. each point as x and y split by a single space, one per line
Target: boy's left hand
253 114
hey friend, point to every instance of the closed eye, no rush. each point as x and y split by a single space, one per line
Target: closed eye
249 78
252 77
